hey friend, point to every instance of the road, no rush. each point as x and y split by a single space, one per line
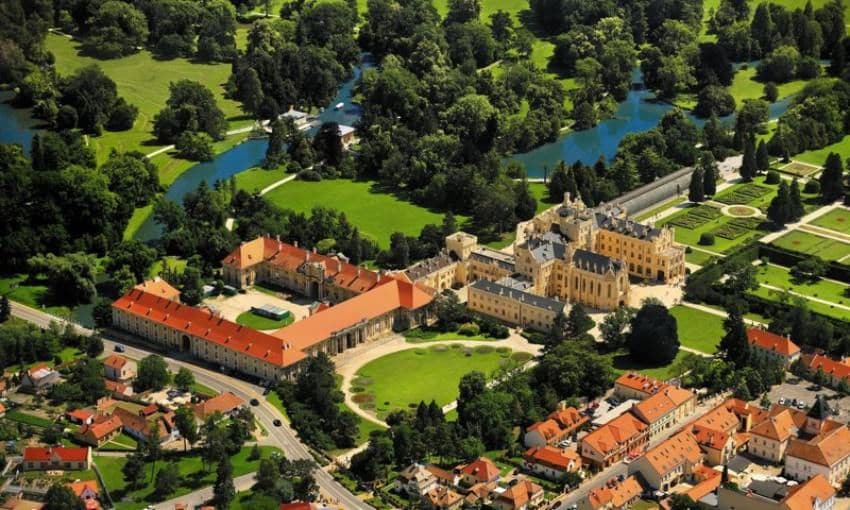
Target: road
283 437
199 497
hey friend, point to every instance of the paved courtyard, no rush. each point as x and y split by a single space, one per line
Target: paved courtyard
231 307
800 389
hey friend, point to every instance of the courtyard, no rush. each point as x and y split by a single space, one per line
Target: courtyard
795 388
237 308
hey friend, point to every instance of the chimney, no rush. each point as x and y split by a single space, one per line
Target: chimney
314 249
295 243
338 266
277 237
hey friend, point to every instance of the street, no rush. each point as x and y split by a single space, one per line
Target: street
283 437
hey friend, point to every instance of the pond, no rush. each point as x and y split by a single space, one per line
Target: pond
16 125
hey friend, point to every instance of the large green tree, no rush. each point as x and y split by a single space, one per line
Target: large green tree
832 178
654 336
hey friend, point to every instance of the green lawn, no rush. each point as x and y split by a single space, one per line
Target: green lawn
745 86
121 442
815 306
28 419
255 321
376 214
673 202
21 288
419 335
202 389
174 263
804 242
541 192
697 329
623 363
698 257
274 399
781 277
837 219
818 156
403 379
192 476
255 179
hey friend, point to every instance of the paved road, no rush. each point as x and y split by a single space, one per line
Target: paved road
283 437
199 497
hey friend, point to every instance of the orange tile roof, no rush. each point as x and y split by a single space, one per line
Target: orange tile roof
65 454
79 487
658 405
159 287
115 386
115 361
616 432
779 426
548 429
639 382
389 295
224 403
553 457
826 449
569 418
833 368
720 418
443 497
710 438
618 494
678 449
205 325
101 427
709 482
771 342
80 414
804 496
482 469
520 493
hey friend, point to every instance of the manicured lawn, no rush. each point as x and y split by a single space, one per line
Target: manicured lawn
691 236
697 329
403 379
541 192
143 81
21 288
837 219
745 86
28 419
201 389
255 321
804 242
255 179
274 400
192 476
623 363
815 306
818 156
376 214
781 277
120 442
174 263
418 336
697 257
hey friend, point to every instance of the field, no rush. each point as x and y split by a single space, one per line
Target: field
697 329
255 321
402 379
143 81
256 179
375 213
804 242
818 156
691 223
192 476
837 219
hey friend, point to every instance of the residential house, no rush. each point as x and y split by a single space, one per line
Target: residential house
480 470
39 378
479 494
769 439
814 494
557 426
56 458
100 431
2 410
613 495
718 446
87 491
550 462
623 436
415 481
827 454
139 426
772 346
668 463
118 368
664 409
80 416
226 403
633 385
118 389
443 498
718 432
521 494
706 481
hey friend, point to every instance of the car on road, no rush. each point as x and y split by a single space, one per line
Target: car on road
801 404
782 401
255 402
119 348
277 423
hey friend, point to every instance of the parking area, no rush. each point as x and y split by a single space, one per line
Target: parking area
796 389
231 307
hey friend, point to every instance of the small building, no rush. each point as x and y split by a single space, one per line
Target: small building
613 495
633 385
834 370
550 462
415 481
298 117
513 305
826 454
39 378
624 436
101 430
813 494
480 470
665 409
159 287
56 458
118 389
87 491
521 494
672 460
227 404
558 425
118 368
442 498
769 439
80 416
346 135
772 346
140 427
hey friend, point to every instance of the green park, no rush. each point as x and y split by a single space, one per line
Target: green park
837 220
698 330
825 296
813 244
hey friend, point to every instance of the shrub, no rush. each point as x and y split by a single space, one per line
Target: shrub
771 92
484 349
195 146
812 186
310 175
122 117
469 329
706 239
772 177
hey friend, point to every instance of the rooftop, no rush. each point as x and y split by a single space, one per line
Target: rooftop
518 295
424 268
771 342
639 382
609 437
615 493
224 403
682 448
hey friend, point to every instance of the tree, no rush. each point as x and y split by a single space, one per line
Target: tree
94 346
249 91
184 379
92 94
749 167
152 374
328 144
735 345
696 190
194 146
714 100
190 107
70 278
832 179
812 268
134 470
795 201
779 210
184 420
5 308
709 168
614 327
223 490
276 150
654 338
771 92
60 497
135 255
578 321
167 480
762 157
118 29
192 290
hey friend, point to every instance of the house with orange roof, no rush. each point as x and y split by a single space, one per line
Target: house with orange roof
634 385
550 462
100 431
815 493
706 479
80 416
769 439
480 470
87 491
442 498
140 427
624 436
717 445
665 408
159 287
613 495
118 389
118 368
666 464
520 494
827 454
560 424
56 458
415 481
834 370
226 403
772 346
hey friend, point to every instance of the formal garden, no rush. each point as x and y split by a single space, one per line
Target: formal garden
825 296
813 244
837 220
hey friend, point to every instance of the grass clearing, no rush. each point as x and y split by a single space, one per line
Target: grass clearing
31 292
173 262
256 179
402 379
28 419
698 329
540 191
818 156
375 213
837 219
811 244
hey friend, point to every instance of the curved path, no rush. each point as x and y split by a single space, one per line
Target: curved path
348 366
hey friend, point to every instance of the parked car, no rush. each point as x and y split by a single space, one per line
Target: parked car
119 348
255 402
277 423
801 405
782 401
